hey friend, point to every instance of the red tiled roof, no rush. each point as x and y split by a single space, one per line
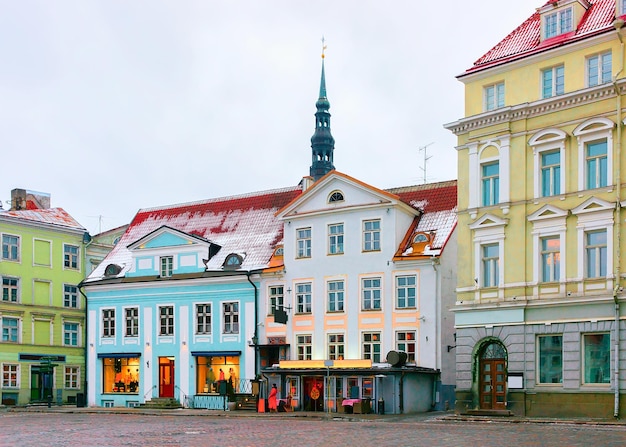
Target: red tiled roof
526 38
51 216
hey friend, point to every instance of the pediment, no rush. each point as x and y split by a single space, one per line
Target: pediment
165 237
593 205
488 221
547 212
547 136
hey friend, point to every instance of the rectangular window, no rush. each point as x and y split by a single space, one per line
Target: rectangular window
491 265
371 235
203 319
108 322
405 341
494 96
231 318
371 289
371 346
303 298
70 257
70 296
167 266
406 291
550 359
553 81
336 346
491 183
550 174
72 377
596 253
70 334
120 375
166 320
304 347
10 247
131 321
10 329
622 10
596 164
335 239
10 289
550 258
599 69
10 375
277 298
558 23
335 296
597 358
303 243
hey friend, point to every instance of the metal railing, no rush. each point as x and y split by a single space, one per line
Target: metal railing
149 392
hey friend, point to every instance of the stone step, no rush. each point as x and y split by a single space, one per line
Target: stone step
498 413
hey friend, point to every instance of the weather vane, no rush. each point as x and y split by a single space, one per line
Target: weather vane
323 46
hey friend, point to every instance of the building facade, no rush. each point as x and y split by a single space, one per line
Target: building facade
539 313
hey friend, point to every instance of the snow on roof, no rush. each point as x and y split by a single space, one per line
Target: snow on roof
50 216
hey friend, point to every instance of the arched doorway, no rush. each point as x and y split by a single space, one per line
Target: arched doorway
492 377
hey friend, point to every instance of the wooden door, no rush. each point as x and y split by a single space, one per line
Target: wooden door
166 377
492 384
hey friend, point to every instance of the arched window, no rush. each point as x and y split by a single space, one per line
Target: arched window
233 261
335 196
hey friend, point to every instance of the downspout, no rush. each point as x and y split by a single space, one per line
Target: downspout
85 341
439 342
255 338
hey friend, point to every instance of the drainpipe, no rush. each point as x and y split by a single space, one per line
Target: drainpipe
85 341
255 338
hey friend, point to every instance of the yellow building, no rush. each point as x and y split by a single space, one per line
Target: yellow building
540 308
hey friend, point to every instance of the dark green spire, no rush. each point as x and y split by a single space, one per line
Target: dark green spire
322 142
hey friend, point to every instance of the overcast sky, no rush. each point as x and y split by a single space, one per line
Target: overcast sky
113 106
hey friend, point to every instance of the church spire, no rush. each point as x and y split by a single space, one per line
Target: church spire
322 142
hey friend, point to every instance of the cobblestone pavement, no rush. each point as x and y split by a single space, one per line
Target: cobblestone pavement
114 429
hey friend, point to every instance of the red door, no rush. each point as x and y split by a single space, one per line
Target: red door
166 377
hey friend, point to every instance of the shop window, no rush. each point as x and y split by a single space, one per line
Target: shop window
120 375
211 370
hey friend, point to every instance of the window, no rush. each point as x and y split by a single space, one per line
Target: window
371 346
70 257
553 81
622 10
10 247
405 341
72 377
493 96
233 261
596 164
596 253
10 289
303 298
277 299
597 358
558 23
203 319
599 69
108 322
10 375
166 320
231 318
335 296
70 334
70 296
335 346
303 243
490 183
131 321
10 329
491 264
167 266
335 196
550 258
371 235
120 375
406 291
371 290
550 174
304 347
335 239
550 359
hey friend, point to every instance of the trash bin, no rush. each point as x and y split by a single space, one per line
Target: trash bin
381 406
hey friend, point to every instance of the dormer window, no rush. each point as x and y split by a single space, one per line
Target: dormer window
112 270
622 9
233 261
280 251
335 196
167 266
558 22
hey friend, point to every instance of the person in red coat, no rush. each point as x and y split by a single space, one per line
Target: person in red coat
271 400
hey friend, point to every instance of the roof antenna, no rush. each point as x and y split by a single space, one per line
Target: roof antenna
423 168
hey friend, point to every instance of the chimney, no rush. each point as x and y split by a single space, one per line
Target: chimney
307 182
22 199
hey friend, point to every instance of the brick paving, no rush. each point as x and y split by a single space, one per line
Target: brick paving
99 427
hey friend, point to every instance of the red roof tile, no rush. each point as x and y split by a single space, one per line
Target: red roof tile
51 216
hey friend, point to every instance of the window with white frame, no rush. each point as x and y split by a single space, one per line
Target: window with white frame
10 329
70 296
166 320
72 377
549 157
371 235
231 317
622 10
596 158
10 247
304 347
335 296
371 346
108 322
303 298
553 81
131 321
597 358
550 173
371 293
550 359
595 148
336 346
10 375
493 96
490 265
557 23
70 334
335 239
71 256
10 289
303 243
167 266
405 341
490 181
550 258
203 318
596 253
488 238
406 291
277 298
599 67
548 232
